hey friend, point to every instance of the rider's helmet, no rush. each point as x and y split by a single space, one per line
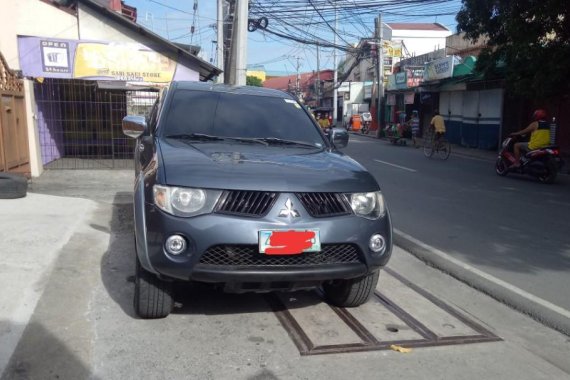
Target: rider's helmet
539 114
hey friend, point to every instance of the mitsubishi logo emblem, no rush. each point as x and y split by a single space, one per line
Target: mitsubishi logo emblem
289 210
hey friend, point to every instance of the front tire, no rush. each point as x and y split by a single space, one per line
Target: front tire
153 296
352 292
444 150
13 186
501 167
428 147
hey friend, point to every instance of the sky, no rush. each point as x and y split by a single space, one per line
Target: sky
173 19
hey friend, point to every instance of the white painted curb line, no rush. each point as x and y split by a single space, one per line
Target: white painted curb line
546 312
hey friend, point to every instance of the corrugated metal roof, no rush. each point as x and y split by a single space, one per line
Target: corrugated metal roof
206 70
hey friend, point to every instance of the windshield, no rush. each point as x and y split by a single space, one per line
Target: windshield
238 115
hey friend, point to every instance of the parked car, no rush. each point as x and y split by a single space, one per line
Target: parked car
240 187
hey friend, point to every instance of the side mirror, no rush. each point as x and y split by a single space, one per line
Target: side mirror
338 137
134 126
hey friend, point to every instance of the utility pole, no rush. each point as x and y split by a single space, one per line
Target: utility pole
335 79
318 88
193 27
379 72
220 37
298 82
239 48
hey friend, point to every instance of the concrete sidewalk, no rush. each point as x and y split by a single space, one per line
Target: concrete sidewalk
32 232
83 326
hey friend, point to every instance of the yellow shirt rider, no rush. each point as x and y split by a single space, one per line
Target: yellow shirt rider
323 122
539 135
438 124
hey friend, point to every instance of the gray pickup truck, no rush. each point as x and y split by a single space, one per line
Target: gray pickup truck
239 187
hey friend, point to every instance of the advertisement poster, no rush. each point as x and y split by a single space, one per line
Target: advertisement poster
95 60
392 49
122 62
415 77
439 69
409 98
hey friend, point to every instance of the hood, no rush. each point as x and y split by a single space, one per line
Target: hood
237 166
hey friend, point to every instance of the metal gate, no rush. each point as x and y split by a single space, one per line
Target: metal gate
80 124
14 151
473 118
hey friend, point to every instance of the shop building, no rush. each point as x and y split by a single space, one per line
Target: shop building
82 65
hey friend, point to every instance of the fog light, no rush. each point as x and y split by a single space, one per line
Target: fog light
175 245
377 243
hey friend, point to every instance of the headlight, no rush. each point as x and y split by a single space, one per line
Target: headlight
368 205
183 201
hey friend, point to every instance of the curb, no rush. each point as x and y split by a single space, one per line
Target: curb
543 311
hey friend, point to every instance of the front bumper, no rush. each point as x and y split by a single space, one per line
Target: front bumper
211 230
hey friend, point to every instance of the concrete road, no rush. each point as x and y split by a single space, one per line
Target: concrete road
83 326
514 228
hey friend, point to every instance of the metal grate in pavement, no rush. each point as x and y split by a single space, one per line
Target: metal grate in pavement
363 339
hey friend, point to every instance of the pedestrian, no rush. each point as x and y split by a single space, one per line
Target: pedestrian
415 125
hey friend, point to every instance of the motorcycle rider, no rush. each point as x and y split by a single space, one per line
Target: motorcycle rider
539 130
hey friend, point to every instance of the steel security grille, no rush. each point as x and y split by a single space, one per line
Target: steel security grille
245 203
320 205
249 256
80 124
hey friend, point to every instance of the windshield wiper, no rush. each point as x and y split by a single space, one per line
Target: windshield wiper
195 136
204 137
278 141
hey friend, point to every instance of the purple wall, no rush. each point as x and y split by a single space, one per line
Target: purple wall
50 125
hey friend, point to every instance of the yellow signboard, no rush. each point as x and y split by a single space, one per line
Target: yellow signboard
392 49
122 62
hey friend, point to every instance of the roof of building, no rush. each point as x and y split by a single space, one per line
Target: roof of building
432 26
206 70
283 83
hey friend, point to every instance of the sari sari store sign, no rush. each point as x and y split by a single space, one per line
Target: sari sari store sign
122 62
92 60
439 69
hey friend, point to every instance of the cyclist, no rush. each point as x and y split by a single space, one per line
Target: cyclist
539 135
438 124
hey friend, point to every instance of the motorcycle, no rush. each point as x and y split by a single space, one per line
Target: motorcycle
543 163
395 134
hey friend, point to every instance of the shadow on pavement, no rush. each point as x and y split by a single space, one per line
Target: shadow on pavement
117 274
41 355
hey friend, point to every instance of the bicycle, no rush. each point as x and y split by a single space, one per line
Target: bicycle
431 145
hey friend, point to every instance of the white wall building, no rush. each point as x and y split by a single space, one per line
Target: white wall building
419 38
